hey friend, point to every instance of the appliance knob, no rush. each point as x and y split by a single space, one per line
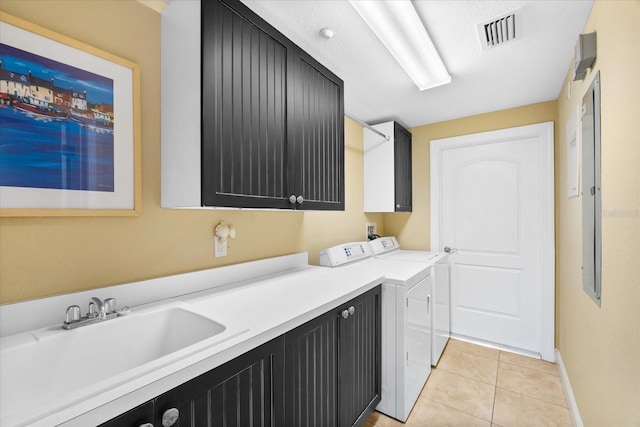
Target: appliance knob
170 416
292 198
345 314
352 310
300 199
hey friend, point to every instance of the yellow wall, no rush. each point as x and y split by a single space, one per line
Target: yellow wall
413 229
48 256
601 346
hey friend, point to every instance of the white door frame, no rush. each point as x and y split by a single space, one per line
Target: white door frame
544 133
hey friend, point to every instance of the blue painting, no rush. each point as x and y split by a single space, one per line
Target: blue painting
56 124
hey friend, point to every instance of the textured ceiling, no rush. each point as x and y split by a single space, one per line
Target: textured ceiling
528 70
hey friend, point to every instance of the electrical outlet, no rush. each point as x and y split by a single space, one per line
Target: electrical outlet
220 246
371 229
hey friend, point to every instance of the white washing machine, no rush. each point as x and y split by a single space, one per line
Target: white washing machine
388 248
406 323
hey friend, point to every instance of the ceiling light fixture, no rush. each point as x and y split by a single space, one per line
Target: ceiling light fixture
398 26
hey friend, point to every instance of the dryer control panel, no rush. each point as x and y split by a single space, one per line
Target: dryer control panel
384 244
345 253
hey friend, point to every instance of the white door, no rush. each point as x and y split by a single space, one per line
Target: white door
492 201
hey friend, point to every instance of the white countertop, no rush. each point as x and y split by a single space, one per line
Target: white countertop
254 312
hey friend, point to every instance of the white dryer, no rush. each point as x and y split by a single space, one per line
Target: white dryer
440 294
406 323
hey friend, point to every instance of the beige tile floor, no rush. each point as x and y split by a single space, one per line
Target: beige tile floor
479 386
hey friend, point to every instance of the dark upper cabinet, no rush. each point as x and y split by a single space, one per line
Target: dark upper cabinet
244 109
387 169
332 367
402 168
316 134
270 127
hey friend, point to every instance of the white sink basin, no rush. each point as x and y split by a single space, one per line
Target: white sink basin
39 368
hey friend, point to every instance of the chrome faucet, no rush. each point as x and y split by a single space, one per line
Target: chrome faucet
98 311
102 311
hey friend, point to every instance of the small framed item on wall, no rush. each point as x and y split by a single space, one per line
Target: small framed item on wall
69 126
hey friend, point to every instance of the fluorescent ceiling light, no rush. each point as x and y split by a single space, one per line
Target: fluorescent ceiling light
398 26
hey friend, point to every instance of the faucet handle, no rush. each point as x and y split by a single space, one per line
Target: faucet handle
73 313
93 311
110 305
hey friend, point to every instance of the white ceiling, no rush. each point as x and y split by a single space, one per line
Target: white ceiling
526 71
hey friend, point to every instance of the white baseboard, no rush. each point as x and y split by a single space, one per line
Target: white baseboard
568 392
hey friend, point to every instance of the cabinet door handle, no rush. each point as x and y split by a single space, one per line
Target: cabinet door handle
352 310
345 314
170 416
300 199
292 198
428 305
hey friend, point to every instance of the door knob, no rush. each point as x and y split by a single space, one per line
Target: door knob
450 250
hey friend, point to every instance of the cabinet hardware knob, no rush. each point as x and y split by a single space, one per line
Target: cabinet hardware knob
300 199
292 198
352 310
170 416
398 206
146 425
345 314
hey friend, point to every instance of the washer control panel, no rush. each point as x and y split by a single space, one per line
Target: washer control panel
345 253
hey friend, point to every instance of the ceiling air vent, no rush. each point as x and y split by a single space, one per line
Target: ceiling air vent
500 30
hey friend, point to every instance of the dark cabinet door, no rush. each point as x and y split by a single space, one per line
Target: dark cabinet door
360 358
316 134
402 167
245 159
272 117
137 417
311 373
332 367
247 391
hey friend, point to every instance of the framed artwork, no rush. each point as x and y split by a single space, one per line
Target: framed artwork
69 126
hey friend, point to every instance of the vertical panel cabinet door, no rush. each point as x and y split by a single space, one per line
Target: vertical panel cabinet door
248 390
141 416
311 373
244 105
360 358
272 117
316 134
402 169
332 367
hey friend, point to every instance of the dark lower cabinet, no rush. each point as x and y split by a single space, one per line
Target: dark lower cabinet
243 392
360 359
332 369
324 373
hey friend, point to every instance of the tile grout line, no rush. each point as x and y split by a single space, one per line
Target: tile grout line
533 397
457 409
